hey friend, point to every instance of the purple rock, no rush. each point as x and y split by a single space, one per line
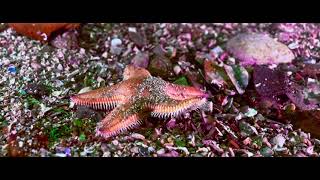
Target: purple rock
269 82
67 40
141 60
254 48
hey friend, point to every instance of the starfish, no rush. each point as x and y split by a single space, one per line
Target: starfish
138 96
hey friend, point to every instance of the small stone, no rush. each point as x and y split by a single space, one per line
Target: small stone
279 141
141 60
151 149
67 151
12 69
60 67
104 147
6 62
161 151
106 154
266 152
56 93
293 45
43 152
60 155
134 150
137 136
115 142
20 144
144 151
251 112
116 42
247 141
177 69
217 51
83 153
105 54
85 89
115 46
35 66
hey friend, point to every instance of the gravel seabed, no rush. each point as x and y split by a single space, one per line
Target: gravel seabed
36 80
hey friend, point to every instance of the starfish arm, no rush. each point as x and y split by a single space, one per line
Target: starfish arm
107 97
174 108
179 92
121 119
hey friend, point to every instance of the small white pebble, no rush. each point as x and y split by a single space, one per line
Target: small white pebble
132 29
293 45
60 155
115 142
161 151
116 42
177 69
106 154
20 144
60 67
310 80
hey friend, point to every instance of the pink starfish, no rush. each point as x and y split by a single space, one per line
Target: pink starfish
138 96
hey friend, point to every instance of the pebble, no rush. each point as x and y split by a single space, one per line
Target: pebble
83 154
278 140
177 69
6 62
60 155
217 51
115 142
35 66
116 42
60 67
104 147
137 136
20 144
151 149
135 150
106 154
266 152
43 152
161 151
12 69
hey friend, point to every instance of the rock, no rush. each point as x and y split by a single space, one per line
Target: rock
269 82
137 136
67 40
138 38
116 46
266 152
239 77
134 150
161 151
160 66
278 140
254 48
116 42
141 60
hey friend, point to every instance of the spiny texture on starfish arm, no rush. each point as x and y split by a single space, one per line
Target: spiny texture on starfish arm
139 96
107 97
